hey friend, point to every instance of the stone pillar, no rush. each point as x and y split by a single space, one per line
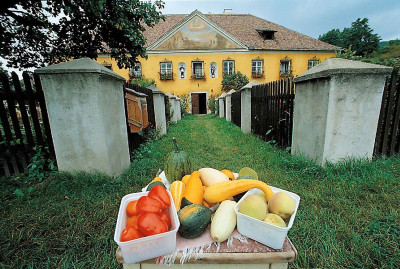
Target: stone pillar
85 104
172 102
228 103
221 107
336 110
245 110
159 109
178 108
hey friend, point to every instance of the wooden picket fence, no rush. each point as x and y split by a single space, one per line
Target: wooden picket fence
388 133
24 122
235 108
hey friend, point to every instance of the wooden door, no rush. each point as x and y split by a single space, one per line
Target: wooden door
195 103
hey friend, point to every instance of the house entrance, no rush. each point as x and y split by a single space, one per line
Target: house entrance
199 103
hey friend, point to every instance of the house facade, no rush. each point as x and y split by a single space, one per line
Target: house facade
190 54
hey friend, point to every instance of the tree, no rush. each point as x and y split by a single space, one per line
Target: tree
359 38
34 33
234 81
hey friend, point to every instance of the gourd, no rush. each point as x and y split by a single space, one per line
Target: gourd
194 189
221 191
224 221
193 219
177 188
152 184
177 164
210 176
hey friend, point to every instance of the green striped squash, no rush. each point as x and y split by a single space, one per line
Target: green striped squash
177 164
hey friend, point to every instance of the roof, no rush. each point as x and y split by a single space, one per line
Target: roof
244 27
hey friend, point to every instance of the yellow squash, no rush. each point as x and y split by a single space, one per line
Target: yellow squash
194 189
177 188
221 191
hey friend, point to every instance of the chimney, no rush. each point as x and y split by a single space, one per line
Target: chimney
227 11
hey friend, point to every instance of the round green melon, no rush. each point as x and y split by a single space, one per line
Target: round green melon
177 164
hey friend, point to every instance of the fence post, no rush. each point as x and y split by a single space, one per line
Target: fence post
221 105
172 102
85 104
336 110
178 108
228 103
245 106
159 109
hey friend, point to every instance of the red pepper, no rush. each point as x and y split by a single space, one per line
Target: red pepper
147 204
160 193
151 224
166 218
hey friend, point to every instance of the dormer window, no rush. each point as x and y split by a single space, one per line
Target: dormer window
266 34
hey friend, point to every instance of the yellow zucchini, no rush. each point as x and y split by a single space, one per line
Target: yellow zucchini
221 191
194 189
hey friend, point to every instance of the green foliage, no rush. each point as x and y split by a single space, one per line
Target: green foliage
82 29
168 113
142 81
184 104
359 38
234 81
40 167
212 100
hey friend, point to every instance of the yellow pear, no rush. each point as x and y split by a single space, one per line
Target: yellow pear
254 206
282 204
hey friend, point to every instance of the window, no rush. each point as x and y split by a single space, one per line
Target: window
257 69
107 65
166 71
136 71
285 69
312 63
228 67
198 70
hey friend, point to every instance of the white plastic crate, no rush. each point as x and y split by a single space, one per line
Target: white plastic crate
261 231
150 246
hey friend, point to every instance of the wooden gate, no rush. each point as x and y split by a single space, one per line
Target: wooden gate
24 122
387 140
236 108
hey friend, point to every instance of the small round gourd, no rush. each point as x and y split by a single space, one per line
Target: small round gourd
177 164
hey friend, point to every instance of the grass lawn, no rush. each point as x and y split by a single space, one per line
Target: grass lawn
348 216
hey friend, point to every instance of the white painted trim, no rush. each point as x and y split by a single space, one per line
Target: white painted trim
239 51
185 21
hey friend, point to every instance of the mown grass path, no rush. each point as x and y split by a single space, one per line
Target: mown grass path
348 215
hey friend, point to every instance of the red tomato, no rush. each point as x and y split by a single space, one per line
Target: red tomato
148 204
151 224
166 218
130 233
132 221
131 209
160 193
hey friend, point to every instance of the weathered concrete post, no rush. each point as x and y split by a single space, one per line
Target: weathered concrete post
336 110
245 107
159 109
178 108
172 102
221 105
85 103
228 103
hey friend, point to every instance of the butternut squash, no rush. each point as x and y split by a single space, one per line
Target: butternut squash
177 188
221 191
194 191
210 176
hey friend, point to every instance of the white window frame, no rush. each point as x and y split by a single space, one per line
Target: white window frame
257 66
198 71
165 67
312 63
137 73
285 66
228 67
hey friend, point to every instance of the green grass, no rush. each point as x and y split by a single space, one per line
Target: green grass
348 215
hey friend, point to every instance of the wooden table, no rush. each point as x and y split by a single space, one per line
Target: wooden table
253 254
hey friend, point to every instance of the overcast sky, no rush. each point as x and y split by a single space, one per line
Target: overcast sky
309 17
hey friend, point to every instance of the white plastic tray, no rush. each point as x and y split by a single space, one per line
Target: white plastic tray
261 231
150 246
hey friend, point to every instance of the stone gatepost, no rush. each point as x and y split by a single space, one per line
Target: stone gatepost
85 104
245 109
159 109
228 103
178 108
172 102
336 110
221 105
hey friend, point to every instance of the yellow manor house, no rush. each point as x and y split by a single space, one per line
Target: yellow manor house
190 54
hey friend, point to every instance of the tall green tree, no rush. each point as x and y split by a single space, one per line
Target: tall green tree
359 38
234 81
34 33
